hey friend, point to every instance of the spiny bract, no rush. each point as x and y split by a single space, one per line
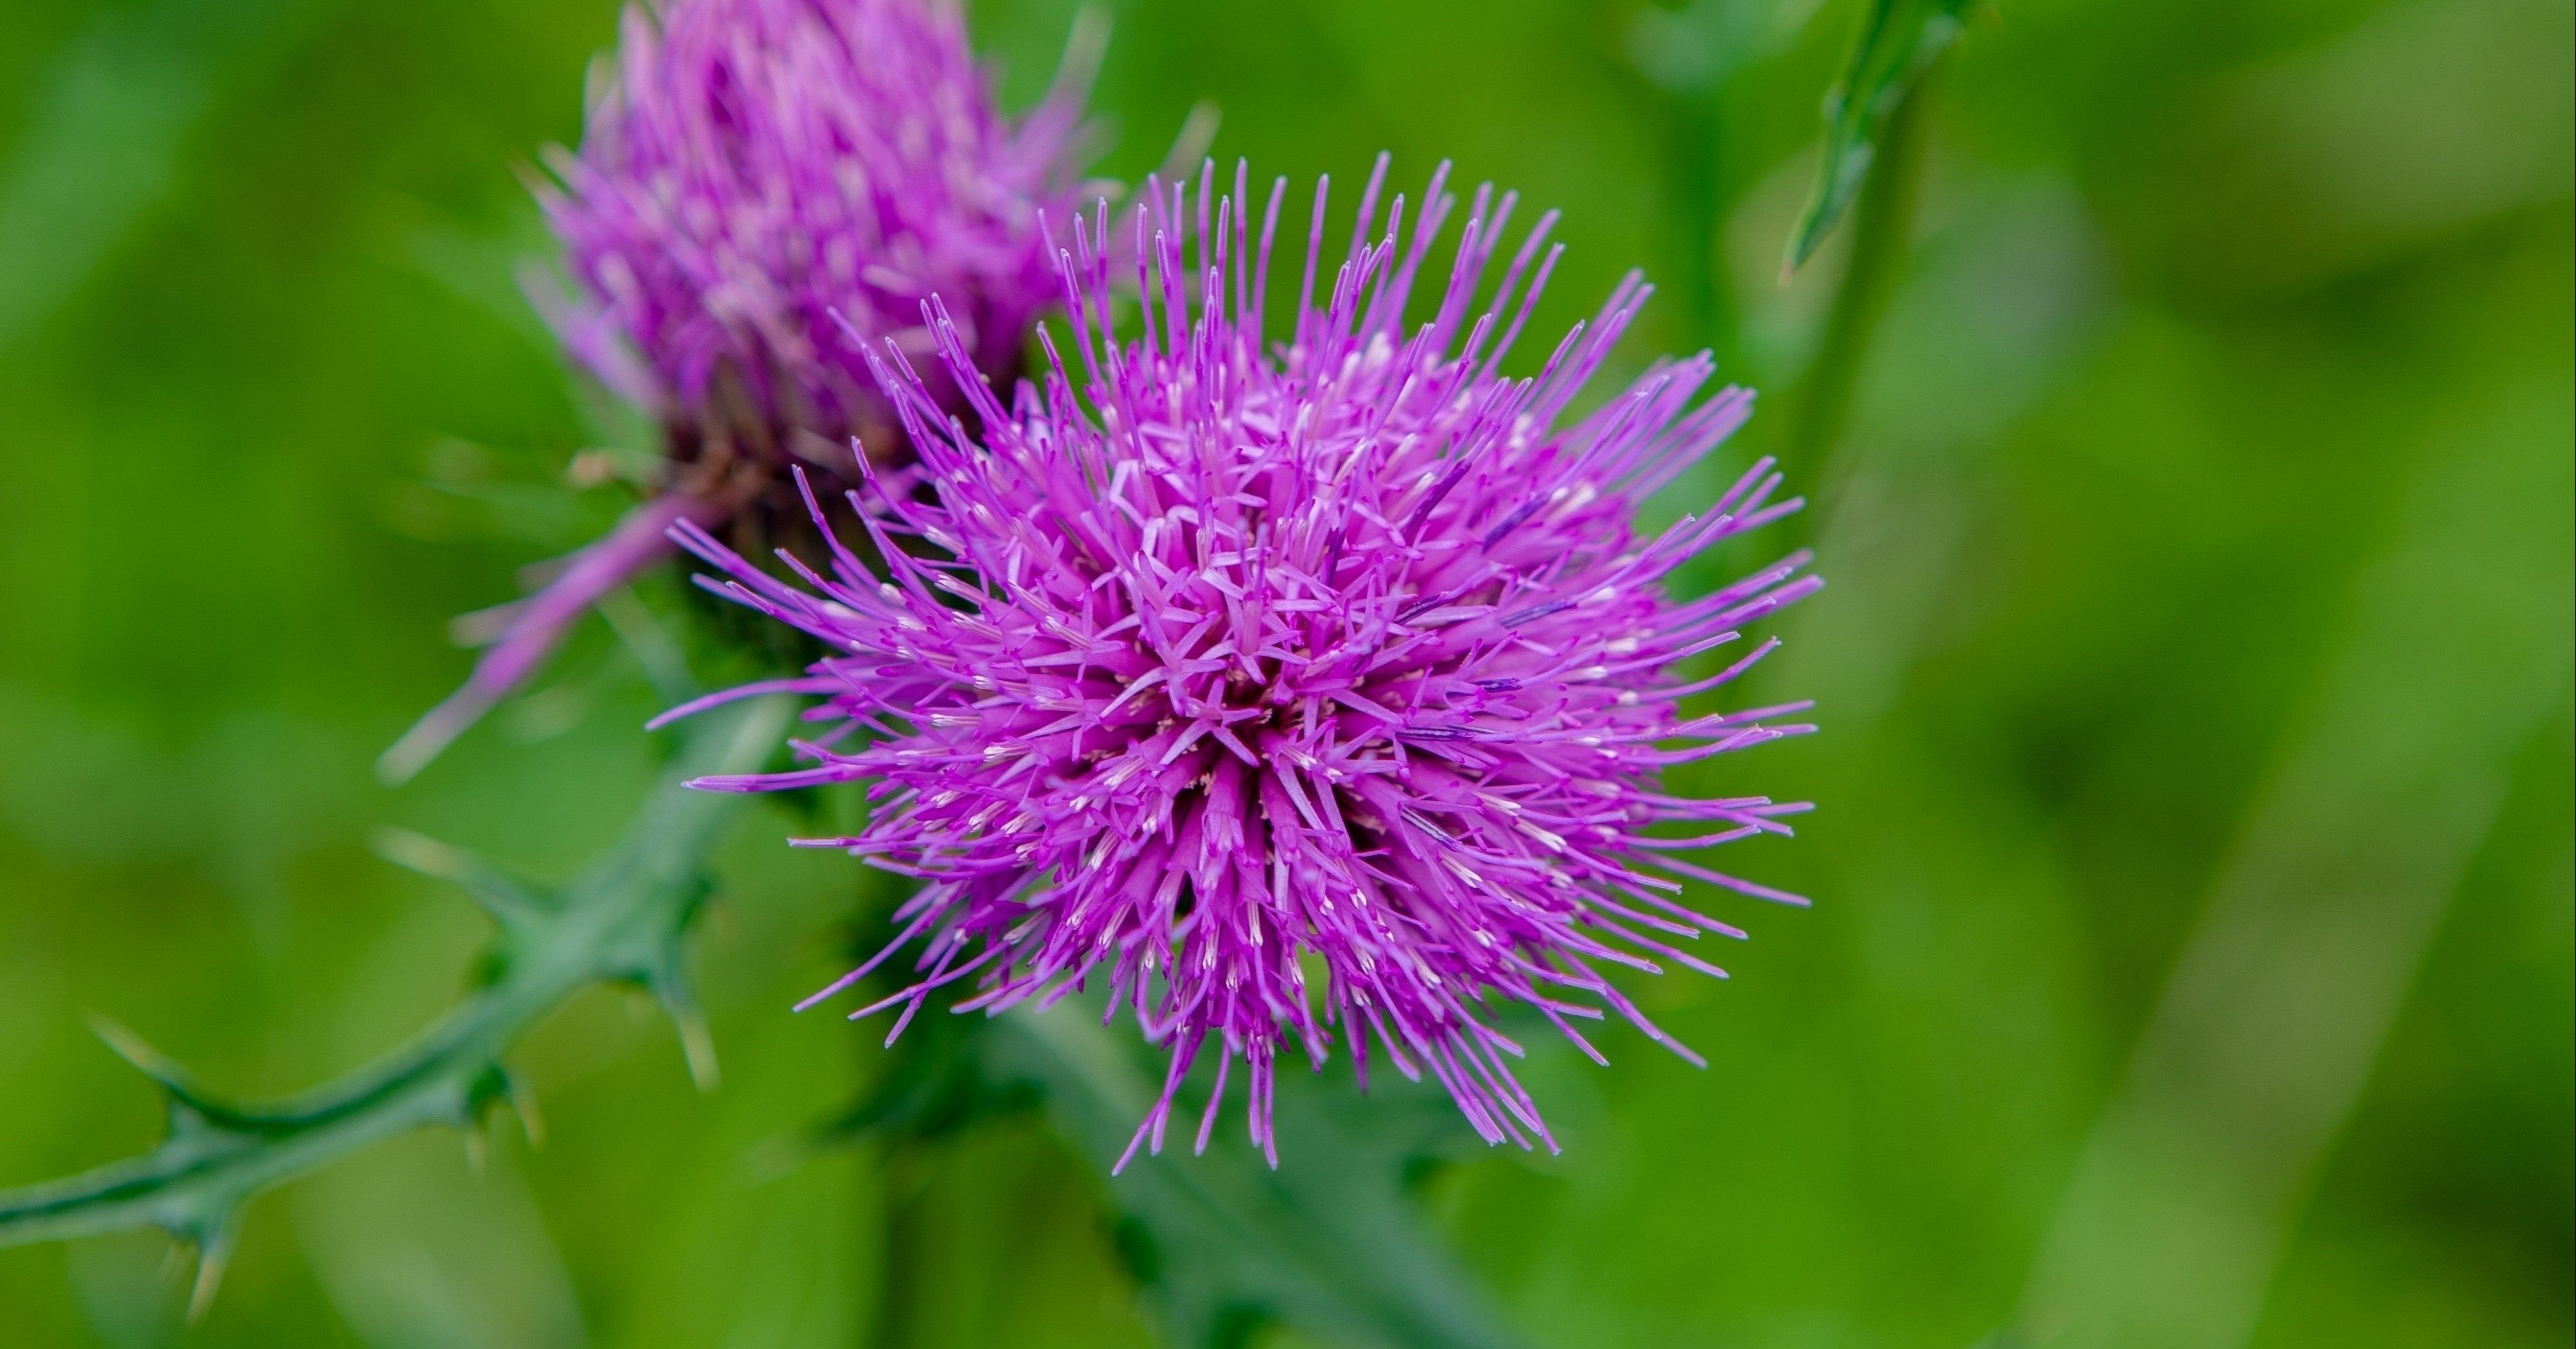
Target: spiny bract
1232 664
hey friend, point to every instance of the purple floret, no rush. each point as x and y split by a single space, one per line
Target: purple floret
1298 690
756 174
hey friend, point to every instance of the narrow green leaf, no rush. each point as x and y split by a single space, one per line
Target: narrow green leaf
1897 43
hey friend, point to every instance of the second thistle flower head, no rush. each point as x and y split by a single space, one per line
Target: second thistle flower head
760 180
753 167
1220 666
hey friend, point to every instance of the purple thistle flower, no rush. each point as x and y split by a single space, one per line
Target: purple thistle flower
753 174
1230 663
759 166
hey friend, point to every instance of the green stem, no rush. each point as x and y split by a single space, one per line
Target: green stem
1328 1242
904 1186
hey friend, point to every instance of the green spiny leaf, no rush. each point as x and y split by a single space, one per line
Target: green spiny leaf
510 902
626 917
667 979
193 1110
212 1239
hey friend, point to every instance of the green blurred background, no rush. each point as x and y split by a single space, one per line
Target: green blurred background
2193 935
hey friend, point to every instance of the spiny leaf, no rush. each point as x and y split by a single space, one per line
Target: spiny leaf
1897 43
192 1108
213 1243
510 902
624 918
667 979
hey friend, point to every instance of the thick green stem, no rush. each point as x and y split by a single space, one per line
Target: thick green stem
1328 1241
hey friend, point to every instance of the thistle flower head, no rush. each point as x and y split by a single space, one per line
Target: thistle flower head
760 180
1292 692
752 167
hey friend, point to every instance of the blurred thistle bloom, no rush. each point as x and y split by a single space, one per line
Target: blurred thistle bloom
1234 664
753 175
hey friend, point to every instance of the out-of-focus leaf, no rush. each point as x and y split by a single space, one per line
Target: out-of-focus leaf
1898 41
105 140
413 1259
1694 50
1329 1243
2274 1013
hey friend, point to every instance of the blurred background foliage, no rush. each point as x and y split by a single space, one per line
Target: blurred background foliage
2191 443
